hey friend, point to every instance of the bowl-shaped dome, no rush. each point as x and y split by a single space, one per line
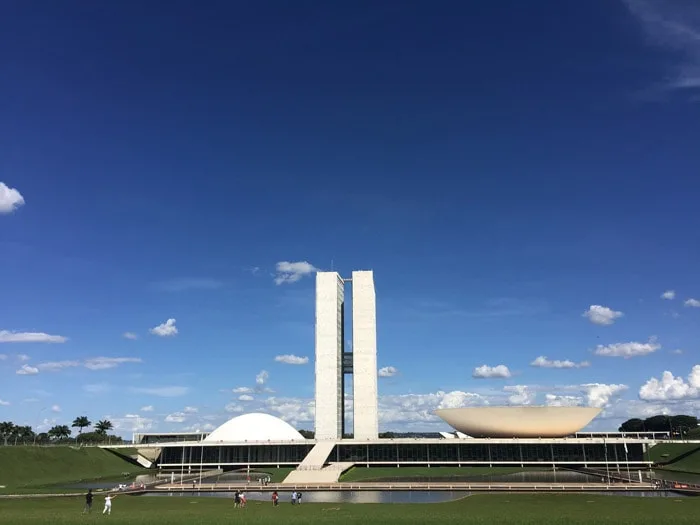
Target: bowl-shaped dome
254 427
518 422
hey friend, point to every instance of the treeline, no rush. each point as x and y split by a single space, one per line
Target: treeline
12 434
677 426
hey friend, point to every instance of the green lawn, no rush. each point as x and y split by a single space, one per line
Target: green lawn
367 474
668 452
690 463
499 509
28 469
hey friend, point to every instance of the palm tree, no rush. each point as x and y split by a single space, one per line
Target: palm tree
24 433
7 429
81 422
103 426
59 432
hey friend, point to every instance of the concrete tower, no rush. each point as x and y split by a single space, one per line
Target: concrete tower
332 362
364 356
330 337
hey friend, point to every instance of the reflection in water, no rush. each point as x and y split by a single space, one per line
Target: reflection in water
365 496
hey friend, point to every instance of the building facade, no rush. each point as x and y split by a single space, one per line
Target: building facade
333 363
330 343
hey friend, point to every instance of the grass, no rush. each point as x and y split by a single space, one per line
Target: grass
677 457
690 464
29 469
373 473
669 452
520 509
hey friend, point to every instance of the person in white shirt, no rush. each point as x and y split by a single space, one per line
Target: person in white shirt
108 504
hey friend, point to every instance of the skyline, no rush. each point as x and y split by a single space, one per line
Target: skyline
170 182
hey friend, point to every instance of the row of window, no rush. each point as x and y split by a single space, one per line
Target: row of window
409 452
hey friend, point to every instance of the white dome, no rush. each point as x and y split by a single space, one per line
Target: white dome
255 427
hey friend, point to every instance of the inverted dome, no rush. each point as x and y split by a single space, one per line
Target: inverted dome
518 422
255 427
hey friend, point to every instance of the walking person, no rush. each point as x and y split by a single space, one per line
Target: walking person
88 502
298 498
108 504
275 499
294 497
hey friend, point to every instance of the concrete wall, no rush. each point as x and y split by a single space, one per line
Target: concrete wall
364 349
330 294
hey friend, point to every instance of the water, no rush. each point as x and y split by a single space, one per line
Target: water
360 496
383 496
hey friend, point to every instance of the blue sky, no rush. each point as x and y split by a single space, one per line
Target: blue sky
503 169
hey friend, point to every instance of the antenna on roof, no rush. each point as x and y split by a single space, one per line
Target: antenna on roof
331 264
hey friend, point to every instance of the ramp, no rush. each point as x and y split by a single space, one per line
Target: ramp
328 474
313 469
317 456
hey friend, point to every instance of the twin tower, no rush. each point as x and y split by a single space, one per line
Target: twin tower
333 363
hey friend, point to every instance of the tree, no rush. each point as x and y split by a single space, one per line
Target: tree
103 426
59 432
632 425
24 433
308 434
81 422
7 430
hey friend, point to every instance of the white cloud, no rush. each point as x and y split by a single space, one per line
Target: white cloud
553 400
486 371
103 363
234 407
601 315
177 417
291 272
130 335
693 303
669 295
243 390
10 199
671 388
290 359
147 408
163 391
543 362
677 351
166 329
627 350
521 395
599 394
131 423
3 357
4 403
55 408
387 371
23 357
190 410
30 337
27 370
245 397
262 377
674 25
55 366
294 411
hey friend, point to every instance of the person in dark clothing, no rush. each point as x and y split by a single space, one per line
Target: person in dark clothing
88 502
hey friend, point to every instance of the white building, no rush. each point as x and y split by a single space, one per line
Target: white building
332 362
